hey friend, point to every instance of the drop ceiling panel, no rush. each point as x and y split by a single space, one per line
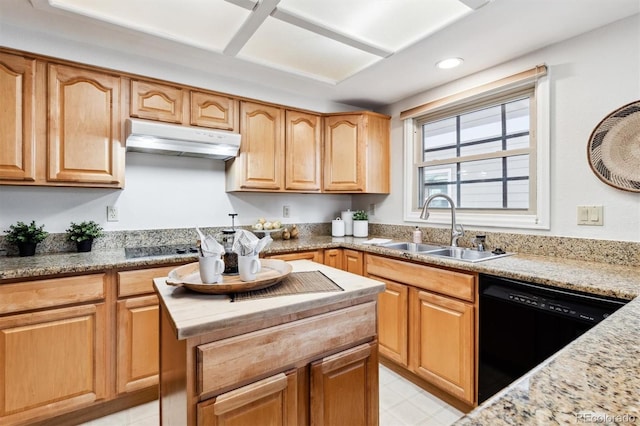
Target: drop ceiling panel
390 24
206 24
287 47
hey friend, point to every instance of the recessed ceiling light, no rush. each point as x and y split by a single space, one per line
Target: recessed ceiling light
449 63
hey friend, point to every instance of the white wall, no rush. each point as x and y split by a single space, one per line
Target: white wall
591 75
162 192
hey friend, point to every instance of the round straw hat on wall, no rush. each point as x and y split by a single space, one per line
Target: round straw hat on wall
614 148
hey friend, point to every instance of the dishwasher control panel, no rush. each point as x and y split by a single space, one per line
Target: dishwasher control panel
564 304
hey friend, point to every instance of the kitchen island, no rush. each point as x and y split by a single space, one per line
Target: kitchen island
294 358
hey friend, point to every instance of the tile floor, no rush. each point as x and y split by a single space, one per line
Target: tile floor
401 404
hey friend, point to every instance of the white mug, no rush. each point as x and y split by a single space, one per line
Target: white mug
211 267
248 267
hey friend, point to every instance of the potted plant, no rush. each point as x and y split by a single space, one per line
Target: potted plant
83 234
26 237
360 224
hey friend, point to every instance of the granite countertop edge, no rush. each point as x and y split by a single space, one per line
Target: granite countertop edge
591 277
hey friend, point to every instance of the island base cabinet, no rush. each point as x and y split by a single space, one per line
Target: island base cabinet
442 348
51 362
344 388
271 401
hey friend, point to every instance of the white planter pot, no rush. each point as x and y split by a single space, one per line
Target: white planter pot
360 228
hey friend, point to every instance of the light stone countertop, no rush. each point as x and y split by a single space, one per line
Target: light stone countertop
193 313
597 375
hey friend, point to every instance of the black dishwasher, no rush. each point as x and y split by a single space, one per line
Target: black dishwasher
522 324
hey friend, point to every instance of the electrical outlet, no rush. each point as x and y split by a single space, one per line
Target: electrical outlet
112 214
372 209
286 211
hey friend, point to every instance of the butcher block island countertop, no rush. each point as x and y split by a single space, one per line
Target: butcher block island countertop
303 356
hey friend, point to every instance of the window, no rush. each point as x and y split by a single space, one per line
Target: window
488 152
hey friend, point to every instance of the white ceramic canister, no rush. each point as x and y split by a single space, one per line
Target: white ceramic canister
337 227
347 218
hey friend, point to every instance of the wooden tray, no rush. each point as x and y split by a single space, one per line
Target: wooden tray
272 272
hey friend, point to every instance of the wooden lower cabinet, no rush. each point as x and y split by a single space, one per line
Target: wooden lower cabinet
333 257
426 323
137 329
314 255
352 261
137 341
442 346
393 321
344 388
271 401
78 347
51 362
320 370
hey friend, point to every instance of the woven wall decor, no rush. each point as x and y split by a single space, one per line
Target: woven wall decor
614 148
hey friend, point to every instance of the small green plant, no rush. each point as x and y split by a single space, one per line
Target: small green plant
360 215
23 233
84 231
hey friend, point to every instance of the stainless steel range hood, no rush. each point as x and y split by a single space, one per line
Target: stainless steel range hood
170 139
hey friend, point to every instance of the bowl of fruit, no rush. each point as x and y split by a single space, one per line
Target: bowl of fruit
266 226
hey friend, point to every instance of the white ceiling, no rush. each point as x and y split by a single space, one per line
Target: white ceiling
366 53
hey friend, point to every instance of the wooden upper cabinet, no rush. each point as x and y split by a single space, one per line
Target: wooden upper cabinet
17 121
303 151
155 101
84 127
214 111
260 162
356 153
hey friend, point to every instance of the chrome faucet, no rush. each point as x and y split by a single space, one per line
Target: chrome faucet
457 231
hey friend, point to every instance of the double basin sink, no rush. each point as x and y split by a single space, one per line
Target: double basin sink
457 253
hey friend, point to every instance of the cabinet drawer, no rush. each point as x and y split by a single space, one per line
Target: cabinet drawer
131 283
238 359
452 283
39 294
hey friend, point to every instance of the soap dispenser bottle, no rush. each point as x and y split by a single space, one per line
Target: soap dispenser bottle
417 236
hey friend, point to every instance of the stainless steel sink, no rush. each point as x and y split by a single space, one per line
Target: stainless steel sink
412 247
457 253
468 255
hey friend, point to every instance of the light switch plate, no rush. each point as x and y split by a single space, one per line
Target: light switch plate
590 215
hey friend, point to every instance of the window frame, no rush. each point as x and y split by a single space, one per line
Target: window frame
538 216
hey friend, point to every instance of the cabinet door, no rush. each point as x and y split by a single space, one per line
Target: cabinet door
344 388
138 343
352 262
17 121
344 162
393 321
333 257
51 362
271 401
303 153
155 101
261 153
214 111
442 342
84 127
315 255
